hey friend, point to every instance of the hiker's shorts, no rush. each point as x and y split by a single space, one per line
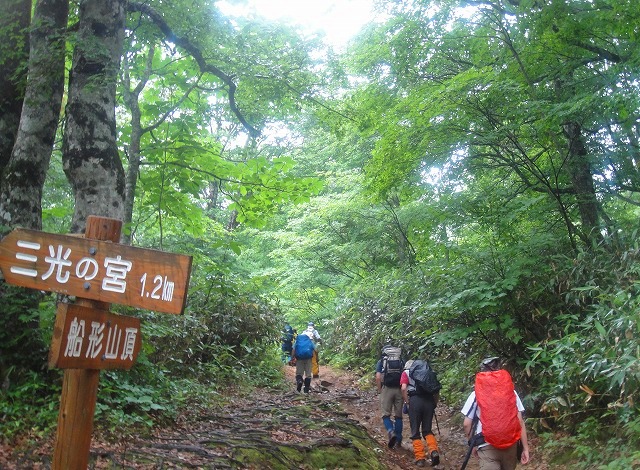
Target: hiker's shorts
391 402
497 459
303 367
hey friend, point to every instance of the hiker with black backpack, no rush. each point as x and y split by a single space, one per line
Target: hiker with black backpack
388 371
493 420
421 392
287 337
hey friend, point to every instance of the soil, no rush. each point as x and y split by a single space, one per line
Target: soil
337 425
362 404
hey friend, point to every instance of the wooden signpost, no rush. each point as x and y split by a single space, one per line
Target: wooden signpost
87 337
96 270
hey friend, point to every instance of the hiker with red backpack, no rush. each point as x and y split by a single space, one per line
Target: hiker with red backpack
421 392
388 371
493 420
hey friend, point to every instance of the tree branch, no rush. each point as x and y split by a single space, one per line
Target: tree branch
195 52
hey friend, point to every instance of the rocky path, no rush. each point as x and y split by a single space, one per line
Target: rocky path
362 404
336 426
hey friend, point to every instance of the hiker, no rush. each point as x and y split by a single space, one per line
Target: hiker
302 354
287 342
421 392
315 337
388 371
493 419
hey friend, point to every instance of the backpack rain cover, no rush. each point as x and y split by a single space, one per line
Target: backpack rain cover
498 409
424 378
304 347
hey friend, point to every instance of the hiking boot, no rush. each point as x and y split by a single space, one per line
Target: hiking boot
421 463
435 458
398 443
392 439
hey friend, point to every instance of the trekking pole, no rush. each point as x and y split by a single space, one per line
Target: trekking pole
467 457
475 439
437 425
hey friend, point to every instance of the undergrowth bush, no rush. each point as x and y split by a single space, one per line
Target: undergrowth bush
29 406
225 342
587 373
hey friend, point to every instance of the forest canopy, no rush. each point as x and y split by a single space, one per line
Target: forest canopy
462 180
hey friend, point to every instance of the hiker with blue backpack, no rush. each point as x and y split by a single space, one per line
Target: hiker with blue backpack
303 351
493 420
421 392
388 371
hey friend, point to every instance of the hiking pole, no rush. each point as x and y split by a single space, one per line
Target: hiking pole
473 440
437 425
467 457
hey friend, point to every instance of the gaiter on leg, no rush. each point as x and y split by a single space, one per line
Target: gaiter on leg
432 444
418 449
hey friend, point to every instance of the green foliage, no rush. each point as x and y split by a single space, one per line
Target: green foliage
264 185
57 205
438 203
594 364
585 449
29 406
23 343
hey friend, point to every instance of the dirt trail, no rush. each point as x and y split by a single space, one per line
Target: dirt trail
336 426
362 405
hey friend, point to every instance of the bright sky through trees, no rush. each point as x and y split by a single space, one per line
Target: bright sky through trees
340 20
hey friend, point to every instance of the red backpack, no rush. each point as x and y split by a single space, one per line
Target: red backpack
498 410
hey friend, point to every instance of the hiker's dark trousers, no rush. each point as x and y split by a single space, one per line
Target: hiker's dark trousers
421 409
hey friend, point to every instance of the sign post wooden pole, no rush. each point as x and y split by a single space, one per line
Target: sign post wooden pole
80 386
87 337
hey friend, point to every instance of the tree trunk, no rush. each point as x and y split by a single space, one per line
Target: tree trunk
131 98
24 175
582 179
15 16
90 154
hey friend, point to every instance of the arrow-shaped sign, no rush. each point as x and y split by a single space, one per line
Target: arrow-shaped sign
96 270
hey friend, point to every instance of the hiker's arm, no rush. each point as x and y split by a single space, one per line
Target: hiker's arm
379 382
467 427
524 439
405 394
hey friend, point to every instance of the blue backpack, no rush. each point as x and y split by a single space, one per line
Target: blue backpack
304 347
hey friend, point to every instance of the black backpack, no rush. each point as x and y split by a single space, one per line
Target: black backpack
287 337
424 378
392 366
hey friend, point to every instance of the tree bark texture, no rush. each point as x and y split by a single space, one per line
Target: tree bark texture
15 16
24 175
90 154
582 179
